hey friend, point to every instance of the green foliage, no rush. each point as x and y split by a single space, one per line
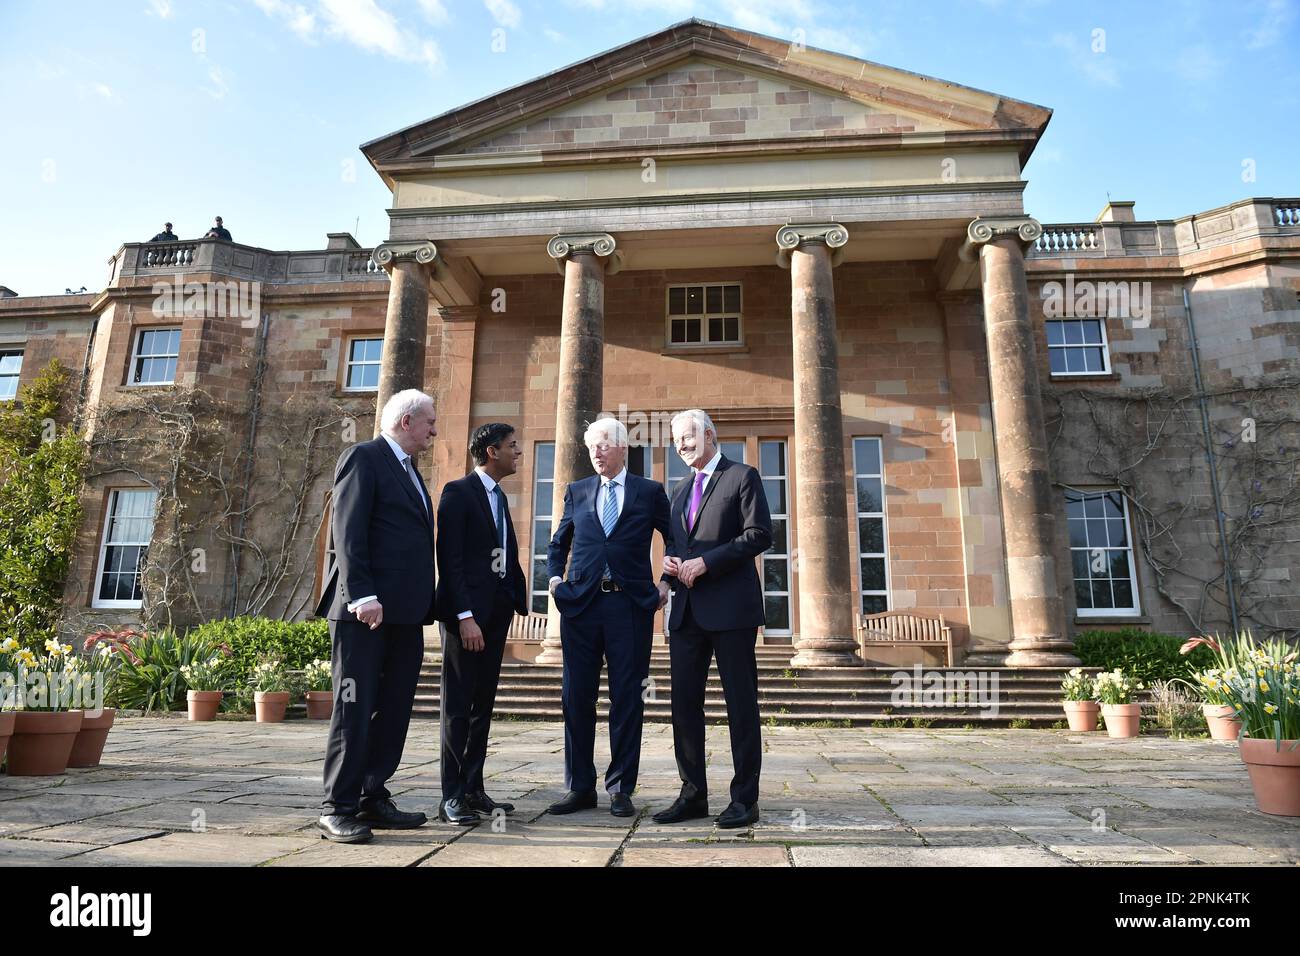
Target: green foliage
1146 656
1019 723
41 477
251 639
153 680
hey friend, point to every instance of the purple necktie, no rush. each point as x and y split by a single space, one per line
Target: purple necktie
697 498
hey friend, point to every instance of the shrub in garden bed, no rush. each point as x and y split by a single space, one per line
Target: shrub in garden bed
1145 656
252 639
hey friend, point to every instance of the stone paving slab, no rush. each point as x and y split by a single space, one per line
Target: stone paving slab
829 796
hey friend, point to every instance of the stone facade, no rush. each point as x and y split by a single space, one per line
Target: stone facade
527 318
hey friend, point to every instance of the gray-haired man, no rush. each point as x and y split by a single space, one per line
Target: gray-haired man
378 596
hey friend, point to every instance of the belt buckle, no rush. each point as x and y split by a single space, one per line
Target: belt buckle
609 585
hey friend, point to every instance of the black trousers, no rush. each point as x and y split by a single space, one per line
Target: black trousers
690 650
375 674
615 630
468 694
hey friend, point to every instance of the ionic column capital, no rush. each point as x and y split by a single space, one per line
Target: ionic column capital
420 251
600 244
795 234
1024 229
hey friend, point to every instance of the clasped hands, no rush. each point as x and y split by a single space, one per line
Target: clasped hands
661 586
685 571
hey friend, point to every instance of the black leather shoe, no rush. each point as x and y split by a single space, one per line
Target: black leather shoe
455 811
572 802
620 805
342 828
683 809
386 816
738 815
482 803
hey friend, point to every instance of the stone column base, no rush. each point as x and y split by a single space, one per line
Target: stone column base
1046 653
826 653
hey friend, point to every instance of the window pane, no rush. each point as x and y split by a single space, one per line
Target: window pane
874 604
1074 360
1096 533
369 376
541 536
713 301
693 330
731 329
1078 534
776 575
676 302
1117 537
1094 506
735 450
1101 594
873 574
11 363
636 460
1092 332
866 456
678 330
545 452
539 604
1057 359
871 535
731 298
869 499
694 300
775 489
1073 332
1079 560
778 537
1119 564
1082 594
540 578
1055 335
1123 594
1073 506
777 612
771 458
715 330
1093 360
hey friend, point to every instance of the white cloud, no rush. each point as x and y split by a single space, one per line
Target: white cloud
1199 64
103 90
362 23
162 9
435 12
1271 27
555 36
1099 69
504 12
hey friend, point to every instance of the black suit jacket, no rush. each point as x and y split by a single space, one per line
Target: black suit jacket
733 527
383 538
469 557
626 550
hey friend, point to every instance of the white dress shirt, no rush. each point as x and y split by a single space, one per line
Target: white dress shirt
620 493
401 460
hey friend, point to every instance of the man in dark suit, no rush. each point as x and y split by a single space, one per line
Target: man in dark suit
607 606
378 596
720 523
480 588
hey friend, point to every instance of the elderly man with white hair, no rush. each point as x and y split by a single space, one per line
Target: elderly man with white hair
378 596
607 605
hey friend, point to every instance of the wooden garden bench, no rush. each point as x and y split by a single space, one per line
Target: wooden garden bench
904 629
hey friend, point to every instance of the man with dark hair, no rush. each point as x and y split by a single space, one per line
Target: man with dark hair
480 587
166 235
218 232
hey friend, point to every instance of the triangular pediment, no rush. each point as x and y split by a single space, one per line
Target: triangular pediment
703 101
707 85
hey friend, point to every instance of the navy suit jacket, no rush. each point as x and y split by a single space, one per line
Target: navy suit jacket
383 538
733 527
580 540
469 554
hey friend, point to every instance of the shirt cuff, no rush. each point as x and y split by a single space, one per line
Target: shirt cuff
551 583
464 614
356 604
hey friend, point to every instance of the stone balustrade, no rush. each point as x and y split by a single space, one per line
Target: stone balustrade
151 260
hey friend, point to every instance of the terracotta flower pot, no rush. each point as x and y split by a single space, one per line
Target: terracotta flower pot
320 704
1275 774
270 705
89 747
1221 724
204 704
6 731
42 742
1122 720
1082 714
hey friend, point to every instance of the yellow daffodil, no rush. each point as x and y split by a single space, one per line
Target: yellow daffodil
1270 709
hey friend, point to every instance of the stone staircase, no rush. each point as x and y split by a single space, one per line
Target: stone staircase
864 696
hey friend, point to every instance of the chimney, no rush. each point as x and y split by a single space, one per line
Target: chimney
7 293
1117 212
341 240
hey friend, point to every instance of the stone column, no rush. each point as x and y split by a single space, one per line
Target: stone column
1038 635
582 259
406 327
825 575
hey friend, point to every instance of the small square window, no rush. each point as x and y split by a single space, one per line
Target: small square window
156 354
364 358
1077 347
11 367
706 314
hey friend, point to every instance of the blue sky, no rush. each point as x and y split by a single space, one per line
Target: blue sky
121 114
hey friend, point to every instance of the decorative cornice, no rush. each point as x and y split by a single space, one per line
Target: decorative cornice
1024 228
794 234
599 244
421 251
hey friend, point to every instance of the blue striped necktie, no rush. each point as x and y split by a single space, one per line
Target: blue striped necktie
609 517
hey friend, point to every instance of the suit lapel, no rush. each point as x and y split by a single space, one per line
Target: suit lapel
628 497
400 474
479 491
